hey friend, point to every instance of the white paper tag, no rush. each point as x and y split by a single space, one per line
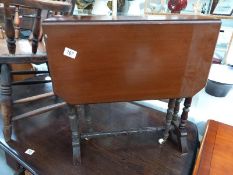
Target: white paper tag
70 53
29 151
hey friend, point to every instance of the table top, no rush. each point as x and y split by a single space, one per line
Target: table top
129 58
161 17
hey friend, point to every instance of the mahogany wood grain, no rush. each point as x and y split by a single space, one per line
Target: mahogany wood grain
216 152
130 58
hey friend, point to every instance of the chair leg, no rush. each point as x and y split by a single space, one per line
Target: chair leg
170 111
74 124
6 101
182 137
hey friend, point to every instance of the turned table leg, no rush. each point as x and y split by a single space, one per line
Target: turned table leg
176 111
182 137
6 101
88 118
170 111
74 125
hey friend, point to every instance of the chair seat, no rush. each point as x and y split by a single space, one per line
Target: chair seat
23 52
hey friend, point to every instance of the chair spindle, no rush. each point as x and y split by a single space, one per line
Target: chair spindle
16 22
9 29
36 31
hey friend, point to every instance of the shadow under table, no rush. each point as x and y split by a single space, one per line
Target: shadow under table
49 136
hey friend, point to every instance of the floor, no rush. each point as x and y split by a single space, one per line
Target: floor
137 154
4 169
157 155
204 107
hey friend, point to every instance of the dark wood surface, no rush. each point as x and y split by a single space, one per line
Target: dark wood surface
129 58
49 135
216 152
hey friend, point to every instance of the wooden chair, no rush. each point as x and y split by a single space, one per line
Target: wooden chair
130 58
21 51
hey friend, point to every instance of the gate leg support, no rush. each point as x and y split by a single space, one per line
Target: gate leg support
182 136
74 125
170 111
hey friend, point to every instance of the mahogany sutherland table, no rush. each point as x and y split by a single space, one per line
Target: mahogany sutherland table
97 59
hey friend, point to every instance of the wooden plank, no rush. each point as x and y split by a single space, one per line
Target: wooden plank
205 161
215 155
129 58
